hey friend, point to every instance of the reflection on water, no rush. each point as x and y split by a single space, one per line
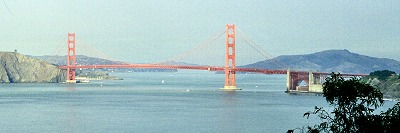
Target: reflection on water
229 113
71 88
230 97
71 119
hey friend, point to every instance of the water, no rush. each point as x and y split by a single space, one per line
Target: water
187 101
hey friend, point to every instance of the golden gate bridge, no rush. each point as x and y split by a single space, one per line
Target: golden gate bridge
313 79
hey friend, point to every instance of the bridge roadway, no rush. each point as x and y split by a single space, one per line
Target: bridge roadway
208 68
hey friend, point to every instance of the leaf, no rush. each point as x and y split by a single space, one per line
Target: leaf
307 113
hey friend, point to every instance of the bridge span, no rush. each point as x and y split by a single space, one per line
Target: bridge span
161 66
312 81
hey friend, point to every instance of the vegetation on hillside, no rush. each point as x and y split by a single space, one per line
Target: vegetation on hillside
354 104
386 81
382 75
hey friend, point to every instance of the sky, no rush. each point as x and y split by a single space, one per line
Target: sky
144 31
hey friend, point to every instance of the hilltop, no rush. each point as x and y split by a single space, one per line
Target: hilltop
342 61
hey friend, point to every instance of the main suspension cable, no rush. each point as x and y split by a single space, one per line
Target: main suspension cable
187 53
260 50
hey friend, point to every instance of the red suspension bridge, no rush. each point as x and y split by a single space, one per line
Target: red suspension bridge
313 79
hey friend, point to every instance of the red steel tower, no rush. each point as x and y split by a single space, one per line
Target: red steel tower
230 63
71 59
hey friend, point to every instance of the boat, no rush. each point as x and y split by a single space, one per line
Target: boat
82 81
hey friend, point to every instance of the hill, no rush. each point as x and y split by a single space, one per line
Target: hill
86 60
342 61
80 60
18 68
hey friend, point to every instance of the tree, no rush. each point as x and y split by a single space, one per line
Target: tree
391 119
354 103
382 75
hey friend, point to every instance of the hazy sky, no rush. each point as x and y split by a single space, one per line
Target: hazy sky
153 30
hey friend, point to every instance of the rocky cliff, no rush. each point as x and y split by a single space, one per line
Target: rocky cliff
18 68
390 87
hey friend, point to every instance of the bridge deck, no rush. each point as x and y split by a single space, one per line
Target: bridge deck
208 68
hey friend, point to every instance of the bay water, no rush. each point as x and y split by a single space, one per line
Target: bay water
184 101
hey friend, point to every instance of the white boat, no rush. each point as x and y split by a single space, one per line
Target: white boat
83 81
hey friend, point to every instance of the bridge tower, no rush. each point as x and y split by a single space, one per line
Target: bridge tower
71 58
230 59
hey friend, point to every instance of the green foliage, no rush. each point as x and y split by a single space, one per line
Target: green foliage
354 103
391 119
382 75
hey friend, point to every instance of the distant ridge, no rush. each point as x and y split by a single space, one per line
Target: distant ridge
86 60
59 60
342 61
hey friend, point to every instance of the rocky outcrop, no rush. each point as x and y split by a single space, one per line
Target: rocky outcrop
390 87
18 68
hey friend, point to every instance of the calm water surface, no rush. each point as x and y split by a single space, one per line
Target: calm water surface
187 101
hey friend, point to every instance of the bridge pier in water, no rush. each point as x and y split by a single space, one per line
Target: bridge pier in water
230 59
71 59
